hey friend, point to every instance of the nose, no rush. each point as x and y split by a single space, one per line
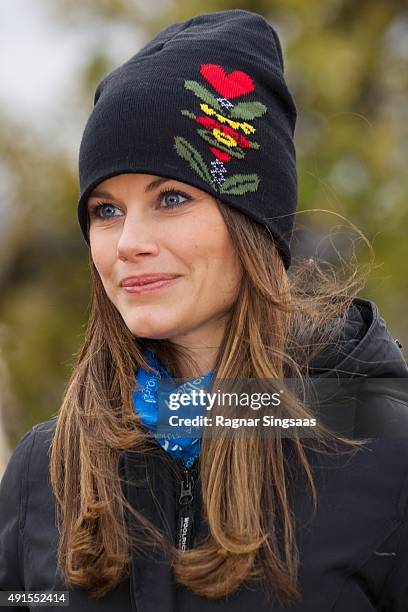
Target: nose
138 236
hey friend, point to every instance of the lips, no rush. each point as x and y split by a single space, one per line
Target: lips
145 279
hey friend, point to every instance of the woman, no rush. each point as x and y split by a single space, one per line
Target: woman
188 196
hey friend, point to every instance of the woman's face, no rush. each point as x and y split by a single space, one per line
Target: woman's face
140 229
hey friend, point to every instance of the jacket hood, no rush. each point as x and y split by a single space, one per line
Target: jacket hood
366 348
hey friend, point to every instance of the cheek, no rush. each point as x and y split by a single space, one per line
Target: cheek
102 259
220 252
214 257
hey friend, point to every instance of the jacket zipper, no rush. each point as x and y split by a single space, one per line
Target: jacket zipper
185 510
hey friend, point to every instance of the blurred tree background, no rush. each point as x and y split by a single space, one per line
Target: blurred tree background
346 64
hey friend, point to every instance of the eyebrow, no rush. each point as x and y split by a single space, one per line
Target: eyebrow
97 193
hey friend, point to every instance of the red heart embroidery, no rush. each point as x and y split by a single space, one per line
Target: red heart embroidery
229 86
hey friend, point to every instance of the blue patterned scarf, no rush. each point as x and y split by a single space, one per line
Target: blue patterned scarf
145 403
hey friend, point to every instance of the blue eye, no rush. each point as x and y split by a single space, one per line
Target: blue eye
95 210
173 192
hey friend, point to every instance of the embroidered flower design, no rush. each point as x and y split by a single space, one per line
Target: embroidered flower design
224 126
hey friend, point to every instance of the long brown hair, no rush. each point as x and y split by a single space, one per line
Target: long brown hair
278 323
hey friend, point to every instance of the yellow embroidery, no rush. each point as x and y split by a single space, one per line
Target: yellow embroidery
235 125
224 138
207 109
247 128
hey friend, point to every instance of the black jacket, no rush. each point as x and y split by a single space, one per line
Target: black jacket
354 555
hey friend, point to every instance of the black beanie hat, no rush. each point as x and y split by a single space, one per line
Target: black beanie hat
204 102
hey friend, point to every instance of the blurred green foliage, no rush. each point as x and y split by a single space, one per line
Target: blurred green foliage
346 64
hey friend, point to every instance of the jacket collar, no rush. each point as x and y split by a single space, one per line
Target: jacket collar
367 347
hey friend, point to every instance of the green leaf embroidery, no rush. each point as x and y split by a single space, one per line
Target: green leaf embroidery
202 93
233 151
187 113
193 157
238 184
248 110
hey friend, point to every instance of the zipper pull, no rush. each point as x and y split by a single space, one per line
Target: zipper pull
186 510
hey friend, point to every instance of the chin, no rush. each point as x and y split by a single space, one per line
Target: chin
152 327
